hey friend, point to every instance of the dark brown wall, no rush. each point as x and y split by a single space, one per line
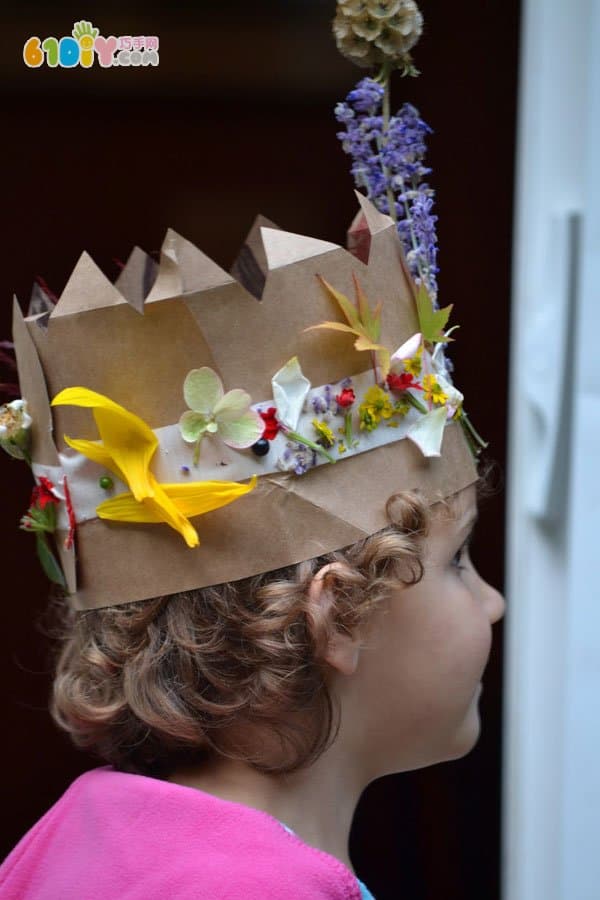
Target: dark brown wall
237 120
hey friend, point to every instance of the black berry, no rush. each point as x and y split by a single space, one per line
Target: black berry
261 447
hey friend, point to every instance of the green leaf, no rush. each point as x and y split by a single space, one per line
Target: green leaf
365 322
431 321
335 326
371 319
348 308
48 560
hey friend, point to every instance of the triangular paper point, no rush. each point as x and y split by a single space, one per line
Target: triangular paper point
136 278
282 248
88 288
198 271
376 220
250 266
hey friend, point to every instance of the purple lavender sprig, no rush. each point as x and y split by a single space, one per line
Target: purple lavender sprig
388 155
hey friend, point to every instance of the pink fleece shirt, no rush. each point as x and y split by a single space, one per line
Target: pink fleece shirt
114 836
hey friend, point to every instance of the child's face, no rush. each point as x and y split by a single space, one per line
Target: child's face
426 653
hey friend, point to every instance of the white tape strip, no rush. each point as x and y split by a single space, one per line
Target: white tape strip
172 462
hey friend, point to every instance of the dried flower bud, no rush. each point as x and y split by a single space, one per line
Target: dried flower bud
15 429
372 32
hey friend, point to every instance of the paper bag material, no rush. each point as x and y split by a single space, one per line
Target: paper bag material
137 347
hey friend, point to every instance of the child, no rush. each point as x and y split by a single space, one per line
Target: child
242 720
326 628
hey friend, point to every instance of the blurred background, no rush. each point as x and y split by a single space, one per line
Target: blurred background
238 119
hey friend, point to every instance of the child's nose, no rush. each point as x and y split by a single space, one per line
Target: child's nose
494 602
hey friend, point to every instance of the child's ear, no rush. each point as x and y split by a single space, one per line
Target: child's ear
342 649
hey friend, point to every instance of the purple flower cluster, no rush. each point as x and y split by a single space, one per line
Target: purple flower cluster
321 403
387 163
298 458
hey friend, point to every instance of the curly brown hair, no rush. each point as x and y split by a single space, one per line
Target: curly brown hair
234 669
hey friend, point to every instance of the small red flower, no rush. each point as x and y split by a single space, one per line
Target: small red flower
272 426
345 398
42 494
402 382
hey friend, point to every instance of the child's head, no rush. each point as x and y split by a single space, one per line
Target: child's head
281 441
383 642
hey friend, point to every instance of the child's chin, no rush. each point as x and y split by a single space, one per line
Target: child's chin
466 735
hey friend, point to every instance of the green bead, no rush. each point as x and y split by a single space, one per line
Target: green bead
106 482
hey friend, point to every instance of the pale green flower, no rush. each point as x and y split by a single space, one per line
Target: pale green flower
212 411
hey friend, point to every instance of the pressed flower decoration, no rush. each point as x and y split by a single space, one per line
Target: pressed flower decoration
128 445
212 411
290 390
363 322
15 429
40 518
388 164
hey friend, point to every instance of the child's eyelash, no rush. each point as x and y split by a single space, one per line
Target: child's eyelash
458 555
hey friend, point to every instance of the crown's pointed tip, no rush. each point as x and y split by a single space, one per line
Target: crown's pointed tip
250 266
282 248
376 220
87 288
136 278
185 269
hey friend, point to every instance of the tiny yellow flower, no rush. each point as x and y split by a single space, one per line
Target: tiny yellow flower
401 409
376 405
325 435
342 447
414 364
432 390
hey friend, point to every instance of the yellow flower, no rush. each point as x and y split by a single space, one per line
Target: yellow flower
414 364
127 447
376 405
432 390
325 435
401 409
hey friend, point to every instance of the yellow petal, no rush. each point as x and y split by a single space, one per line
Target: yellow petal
96 452
128 439
199 497
125 508
174 503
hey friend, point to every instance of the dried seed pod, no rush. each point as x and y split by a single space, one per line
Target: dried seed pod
372 32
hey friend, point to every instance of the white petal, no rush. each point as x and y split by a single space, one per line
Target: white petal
290 388
428 431
408 349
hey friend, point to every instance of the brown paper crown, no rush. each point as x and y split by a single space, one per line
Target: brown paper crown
136 340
